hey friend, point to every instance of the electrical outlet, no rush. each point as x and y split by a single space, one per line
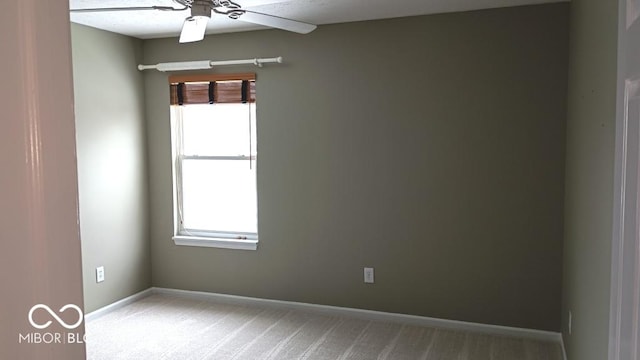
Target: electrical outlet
100 274
570 320
368 275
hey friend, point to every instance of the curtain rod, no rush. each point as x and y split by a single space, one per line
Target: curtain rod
207 64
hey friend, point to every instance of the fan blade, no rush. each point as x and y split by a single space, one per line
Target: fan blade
134 8
193 29
277 22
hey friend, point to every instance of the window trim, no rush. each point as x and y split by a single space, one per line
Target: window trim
204 238
213 242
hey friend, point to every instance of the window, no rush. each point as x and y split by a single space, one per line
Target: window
214 164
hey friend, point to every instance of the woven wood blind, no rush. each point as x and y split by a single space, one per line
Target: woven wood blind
212 89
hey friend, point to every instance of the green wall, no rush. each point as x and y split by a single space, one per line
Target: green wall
430 148
112 169
589 177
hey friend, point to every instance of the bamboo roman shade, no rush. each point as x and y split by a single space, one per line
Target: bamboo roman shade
213 89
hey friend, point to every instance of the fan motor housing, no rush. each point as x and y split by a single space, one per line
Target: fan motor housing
201 8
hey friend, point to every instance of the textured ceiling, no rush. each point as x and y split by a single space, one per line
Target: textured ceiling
155 24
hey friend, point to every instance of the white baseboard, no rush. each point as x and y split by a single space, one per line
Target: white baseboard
370 315
118 304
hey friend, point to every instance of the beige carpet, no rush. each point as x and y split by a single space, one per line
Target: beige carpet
164 327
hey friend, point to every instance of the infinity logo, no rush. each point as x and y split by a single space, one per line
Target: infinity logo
55 316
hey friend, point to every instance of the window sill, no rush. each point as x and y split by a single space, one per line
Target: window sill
215 242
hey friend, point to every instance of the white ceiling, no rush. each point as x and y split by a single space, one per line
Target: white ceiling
155 24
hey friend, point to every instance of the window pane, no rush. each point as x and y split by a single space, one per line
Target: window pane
219 195
220 130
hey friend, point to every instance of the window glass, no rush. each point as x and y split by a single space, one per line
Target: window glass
221 129
215 169
219 195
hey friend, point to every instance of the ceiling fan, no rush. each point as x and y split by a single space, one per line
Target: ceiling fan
195 25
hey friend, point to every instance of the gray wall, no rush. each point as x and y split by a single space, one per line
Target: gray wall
431 148
589 177
112 169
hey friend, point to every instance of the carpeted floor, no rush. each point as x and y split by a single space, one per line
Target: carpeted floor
164 327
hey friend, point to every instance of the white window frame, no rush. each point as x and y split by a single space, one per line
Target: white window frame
194 237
